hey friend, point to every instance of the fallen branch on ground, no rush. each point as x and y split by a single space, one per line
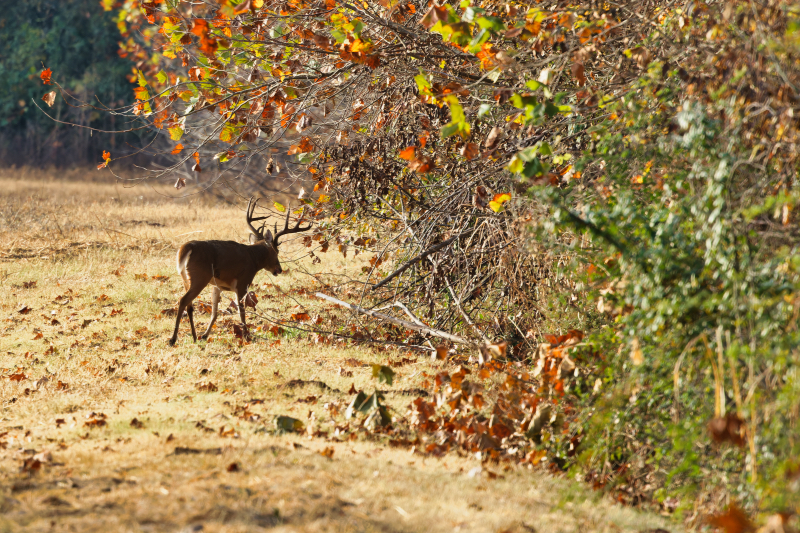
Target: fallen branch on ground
404 323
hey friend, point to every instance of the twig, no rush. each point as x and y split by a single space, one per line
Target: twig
420 257
416 320
463 313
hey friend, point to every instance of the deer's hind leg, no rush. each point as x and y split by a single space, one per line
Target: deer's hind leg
241 295
185 304
214 305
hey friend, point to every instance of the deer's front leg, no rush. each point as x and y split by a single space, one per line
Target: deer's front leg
214 306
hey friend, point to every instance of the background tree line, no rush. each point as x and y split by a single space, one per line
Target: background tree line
80 41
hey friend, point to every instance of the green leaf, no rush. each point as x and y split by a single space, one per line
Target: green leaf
535 168
161 77
491 23
140 77
533 85
287 424
483 109
454 128
545 149
471 12
383 373
477 41
522 102
456 111
175 133
363 403
358 26
550 109
423 84
222 156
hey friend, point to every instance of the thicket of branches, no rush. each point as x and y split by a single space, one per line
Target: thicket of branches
647 150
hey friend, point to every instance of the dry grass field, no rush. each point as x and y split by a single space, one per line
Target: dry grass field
103 427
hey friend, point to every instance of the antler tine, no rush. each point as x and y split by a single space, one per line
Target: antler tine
251 208
287 230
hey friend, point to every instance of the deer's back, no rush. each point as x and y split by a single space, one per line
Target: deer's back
220 259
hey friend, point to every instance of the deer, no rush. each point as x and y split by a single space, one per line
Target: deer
228 266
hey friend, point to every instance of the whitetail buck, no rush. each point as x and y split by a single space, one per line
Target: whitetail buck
228 266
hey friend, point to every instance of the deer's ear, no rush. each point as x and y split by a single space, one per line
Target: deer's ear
268 237
254 238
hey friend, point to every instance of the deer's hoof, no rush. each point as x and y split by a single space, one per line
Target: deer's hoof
171 342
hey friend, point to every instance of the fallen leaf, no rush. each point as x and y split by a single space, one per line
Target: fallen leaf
30 466
734 520
577 69
441 352
288 424
636 353
469 151
731 429
407 153
434 15
206 387
493 139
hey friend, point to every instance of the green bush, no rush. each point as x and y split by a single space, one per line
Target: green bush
689 200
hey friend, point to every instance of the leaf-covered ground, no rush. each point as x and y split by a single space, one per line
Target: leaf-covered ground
105 428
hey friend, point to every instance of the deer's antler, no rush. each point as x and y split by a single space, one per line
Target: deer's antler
251 208
287 230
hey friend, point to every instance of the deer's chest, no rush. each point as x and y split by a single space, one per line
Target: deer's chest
223 285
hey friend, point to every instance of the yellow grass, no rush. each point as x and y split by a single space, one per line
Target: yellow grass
93 344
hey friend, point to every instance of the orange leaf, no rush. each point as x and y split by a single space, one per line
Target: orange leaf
469 151
434 15
305 146
196 157
177 149
423 139
497 202
733 521
199 27
408 153
421 164
45 76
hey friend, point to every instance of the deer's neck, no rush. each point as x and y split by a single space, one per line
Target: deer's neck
259 254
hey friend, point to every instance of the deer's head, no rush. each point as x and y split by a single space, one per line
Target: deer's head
259 237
